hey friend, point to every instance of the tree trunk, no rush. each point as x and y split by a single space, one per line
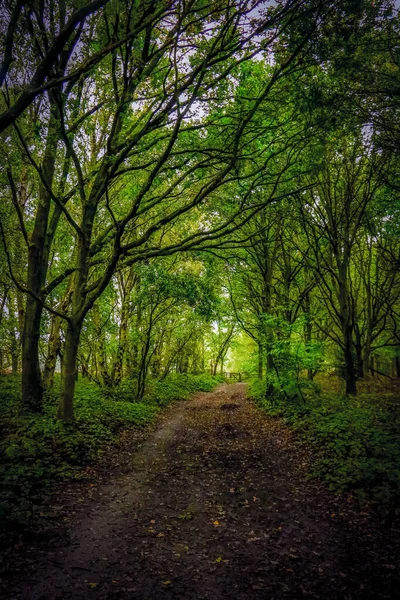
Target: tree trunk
260 361
359 353
269 362
143 366
119 361
136 344
69 373
269 390
347 323
38 254
54 348
308 327
21 313
118 367
54 345
14 352
79 308
101 357
84 364
32 389
349 367
367 351
156 361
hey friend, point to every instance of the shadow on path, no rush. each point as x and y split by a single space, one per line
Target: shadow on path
215 505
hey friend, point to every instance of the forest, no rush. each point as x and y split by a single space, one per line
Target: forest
195 193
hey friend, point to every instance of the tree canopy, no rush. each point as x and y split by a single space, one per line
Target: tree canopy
182 178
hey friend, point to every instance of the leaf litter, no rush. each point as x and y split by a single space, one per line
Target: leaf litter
192 512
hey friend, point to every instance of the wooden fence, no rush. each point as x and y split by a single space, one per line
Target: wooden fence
234 376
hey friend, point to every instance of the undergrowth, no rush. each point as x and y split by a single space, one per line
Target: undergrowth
355 441
37 450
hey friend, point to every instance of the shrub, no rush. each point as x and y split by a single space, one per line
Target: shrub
356 441
10 392
179 387
37 450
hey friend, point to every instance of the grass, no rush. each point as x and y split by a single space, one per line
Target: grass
356 441
36 451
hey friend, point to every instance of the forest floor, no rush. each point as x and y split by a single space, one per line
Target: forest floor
212 503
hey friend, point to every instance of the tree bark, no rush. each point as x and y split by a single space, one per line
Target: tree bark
101 360
38 255
32 388
54 345
349 370
118 368
346 316
359 353
54 348
69 372
143 364
260 361
14 351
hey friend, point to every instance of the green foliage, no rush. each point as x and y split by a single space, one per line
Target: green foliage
180 386
356 441
10 391
189 284
38 450
94 405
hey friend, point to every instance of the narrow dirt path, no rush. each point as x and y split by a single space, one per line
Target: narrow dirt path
215 506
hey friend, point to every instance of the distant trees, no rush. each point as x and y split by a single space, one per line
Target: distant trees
334 216
322 262
150 321
138 131
126 142
315 271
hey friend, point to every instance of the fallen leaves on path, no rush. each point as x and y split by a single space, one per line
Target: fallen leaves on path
214 505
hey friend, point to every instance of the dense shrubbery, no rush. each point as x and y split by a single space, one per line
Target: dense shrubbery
10 391
356 440
37 450
179 387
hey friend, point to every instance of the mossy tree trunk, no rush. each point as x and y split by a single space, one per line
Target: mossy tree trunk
38 258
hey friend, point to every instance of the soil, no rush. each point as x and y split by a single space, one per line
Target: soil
211 503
